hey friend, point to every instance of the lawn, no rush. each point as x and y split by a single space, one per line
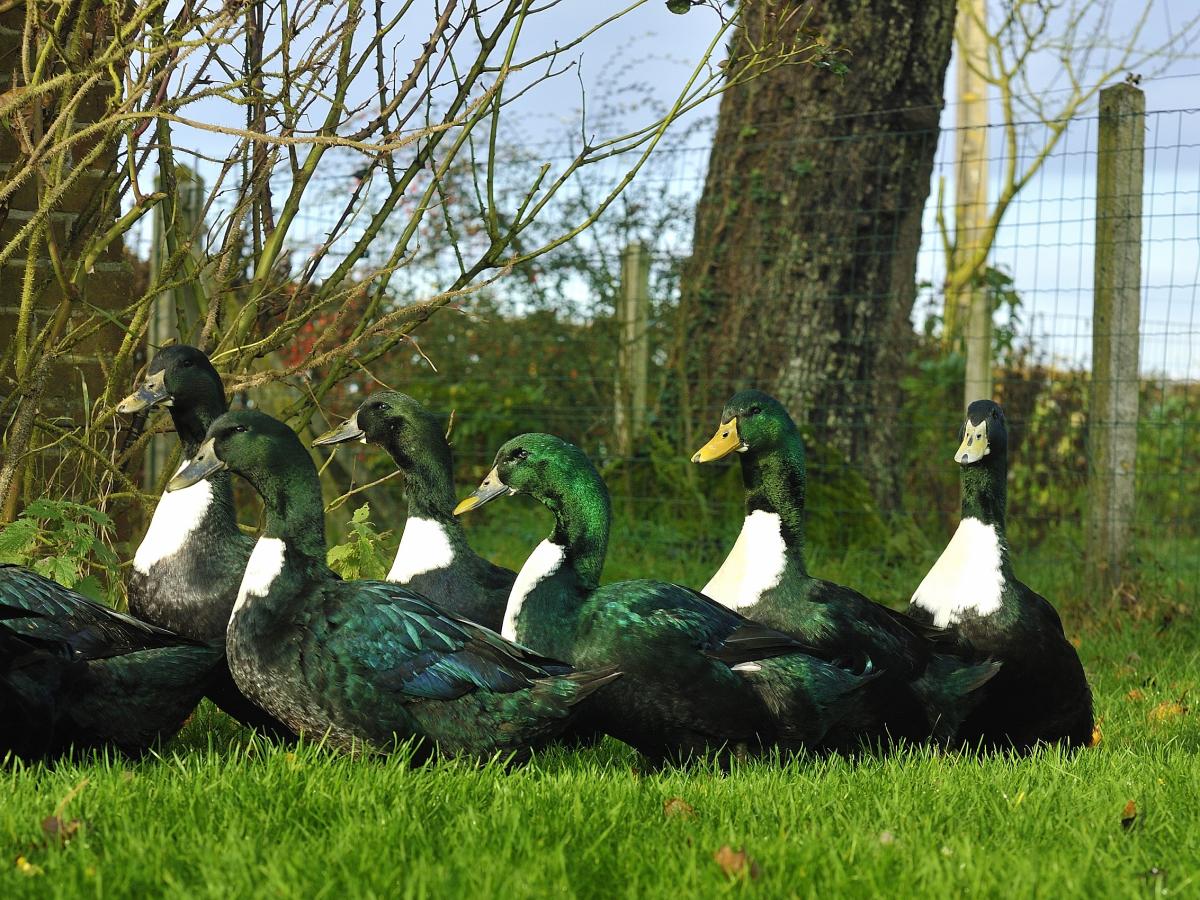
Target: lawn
220 814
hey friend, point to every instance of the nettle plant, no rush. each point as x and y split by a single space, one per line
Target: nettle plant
63 541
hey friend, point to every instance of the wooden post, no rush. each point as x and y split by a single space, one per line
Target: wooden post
1113 400
176 312
633 347
972 305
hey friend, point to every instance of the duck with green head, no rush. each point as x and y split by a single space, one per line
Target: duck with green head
1041 694
698 678
76 675
434 557
366 662
926 688
188 567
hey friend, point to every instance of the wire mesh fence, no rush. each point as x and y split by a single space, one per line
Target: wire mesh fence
539 350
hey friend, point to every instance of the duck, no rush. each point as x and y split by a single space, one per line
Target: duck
699 680
77 676
434 557
187 569
1041 695
365 664
929 685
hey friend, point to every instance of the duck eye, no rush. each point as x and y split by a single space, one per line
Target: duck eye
520 453
755 410
187 364
240 429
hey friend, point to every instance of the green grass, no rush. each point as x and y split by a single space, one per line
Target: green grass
221 815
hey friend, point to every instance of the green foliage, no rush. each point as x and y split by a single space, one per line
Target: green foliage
63 541
362 554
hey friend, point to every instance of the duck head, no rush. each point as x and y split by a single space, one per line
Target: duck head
541 465
396 422
247 442
751 422
984 435
179 377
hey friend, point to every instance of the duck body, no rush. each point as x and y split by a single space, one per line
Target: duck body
928 682
1041 694
187 570
697 678
76 675
434 557
366 663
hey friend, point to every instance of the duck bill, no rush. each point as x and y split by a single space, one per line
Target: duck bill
151 392
974 446
203 464
347 431
724 442
490 488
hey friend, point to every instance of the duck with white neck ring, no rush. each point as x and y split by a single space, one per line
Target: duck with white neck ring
434 557
187 569
366 663
1041 694
698 678
927 687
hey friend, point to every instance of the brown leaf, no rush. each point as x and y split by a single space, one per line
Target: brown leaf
678 807
736 863
59 830
1097 736
1135 694
1129 815
1167 710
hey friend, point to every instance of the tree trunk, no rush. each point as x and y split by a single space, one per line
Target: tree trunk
802 277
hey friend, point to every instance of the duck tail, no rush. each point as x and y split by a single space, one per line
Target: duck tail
588 682
950 691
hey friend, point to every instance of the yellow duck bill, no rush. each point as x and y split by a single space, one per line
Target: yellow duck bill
347 431
724 442
489 489
151 392
203 464
974 446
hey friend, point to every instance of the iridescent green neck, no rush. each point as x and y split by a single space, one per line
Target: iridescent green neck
582 517
192 419
428 480
775 480
295 512
985 490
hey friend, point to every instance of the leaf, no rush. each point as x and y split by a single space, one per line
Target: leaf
362 515
679 808
1167 710
1129 815
59 830
1135 694
16 537
679 7
736 863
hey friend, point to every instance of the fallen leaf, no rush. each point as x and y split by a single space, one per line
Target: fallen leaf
1097 736
887 838
1076 642
1135 694
678 807
1129 815
60 830
1167 710
736 863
